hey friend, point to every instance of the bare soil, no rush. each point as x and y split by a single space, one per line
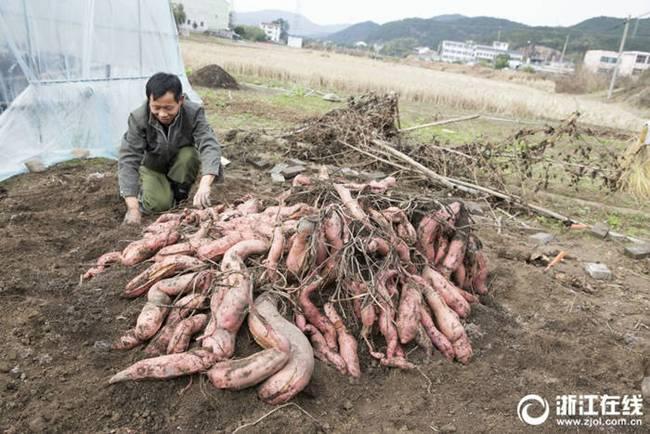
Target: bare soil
550 333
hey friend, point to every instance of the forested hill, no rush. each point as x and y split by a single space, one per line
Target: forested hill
594 33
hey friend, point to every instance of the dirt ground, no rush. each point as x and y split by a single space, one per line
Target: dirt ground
550 333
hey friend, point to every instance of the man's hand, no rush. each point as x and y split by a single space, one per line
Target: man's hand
133 215
202 196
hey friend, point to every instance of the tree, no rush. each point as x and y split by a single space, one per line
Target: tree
399 47
501 61
250 33
284 28
179 13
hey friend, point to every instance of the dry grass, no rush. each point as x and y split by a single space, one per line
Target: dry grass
353 75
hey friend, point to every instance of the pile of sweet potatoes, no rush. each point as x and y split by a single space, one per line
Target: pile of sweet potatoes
364 274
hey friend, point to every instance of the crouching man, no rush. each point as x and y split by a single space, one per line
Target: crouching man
168 141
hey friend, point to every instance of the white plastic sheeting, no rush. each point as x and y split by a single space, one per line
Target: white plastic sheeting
71 71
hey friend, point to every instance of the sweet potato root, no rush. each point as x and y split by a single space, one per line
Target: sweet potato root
170 266
408 312
347 343
180 340
295 375
168 366
242 373
231 312
450 293
314 316
299 248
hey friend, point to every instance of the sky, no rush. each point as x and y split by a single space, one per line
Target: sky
531 12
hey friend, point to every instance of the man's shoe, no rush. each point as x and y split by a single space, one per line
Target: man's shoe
181 191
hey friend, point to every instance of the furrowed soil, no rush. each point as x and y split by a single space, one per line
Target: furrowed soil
549 333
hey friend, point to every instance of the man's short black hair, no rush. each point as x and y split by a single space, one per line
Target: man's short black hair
161 83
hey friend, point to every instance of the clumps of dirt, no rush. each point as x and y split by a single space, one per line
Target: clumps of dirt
215 77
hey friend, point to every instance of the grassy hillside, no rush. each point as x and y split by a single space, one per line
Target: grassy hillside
594 33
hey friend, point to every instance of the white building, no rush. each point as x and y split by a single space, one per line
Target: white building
466 52
632 62
206 15
273 31
452 51
294 41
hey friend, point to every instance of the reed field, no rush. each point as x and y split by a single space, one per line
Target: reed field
352 75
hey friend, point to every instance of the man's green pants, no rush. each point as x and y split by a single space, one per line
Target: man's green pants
156 194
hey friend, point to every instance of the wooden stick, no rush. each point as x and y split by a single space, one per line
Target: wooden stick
445 122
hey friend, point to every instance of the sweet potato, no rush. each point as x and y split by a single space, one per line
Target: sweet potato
215 249
168 366
275 253
181 309
236 300
153 314
299 248
351 204
322 352
242 373
301 181
427 232
141 250
295 375
100 266
387 311
199 282
180 340
347 343
449 324
454 256
314 316
439 340
450 293
408 312
170 266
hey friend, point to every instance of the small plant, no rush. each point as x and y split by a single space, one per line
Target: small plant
614 221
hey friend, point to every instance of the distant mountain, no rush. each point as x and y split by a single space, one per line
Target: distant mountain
594 33
355 33
298 24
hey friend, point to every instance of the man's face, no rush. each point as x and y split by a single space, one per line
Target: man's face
165 108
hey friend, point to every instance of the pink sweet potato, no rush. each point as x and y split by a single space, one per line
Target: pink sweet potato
408 312
168 366
314 316
170 266
450 293
347 343
299 248
322 352
242 373
180 340
439 340
231 312
295 375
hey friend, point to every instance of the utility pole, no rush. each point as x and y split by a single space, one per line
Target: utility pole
618 59
566 42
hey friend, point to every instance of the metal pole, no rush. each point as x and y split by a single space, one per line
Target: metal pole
618 59
566 42
140 34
